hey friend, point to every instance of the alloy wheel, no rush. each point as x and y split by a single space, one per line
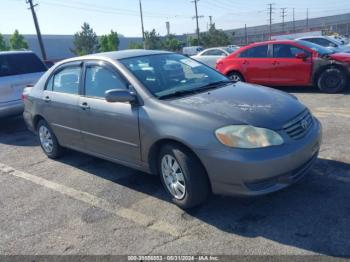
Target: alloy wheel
173 177
46 139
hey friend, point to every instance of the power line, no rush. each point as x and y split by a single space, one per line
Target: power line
37 28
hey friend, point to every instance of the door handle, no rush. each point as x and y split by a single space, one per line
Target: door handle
245 62
47 99
84 106
275 63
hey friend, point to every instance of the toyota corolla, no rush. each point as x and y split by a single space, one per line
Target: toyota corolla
164 113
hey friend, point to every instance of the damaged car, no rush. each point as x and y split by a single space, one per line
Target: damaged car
288 63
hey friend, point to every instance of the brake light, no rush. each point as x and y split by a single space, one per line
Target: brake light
24 96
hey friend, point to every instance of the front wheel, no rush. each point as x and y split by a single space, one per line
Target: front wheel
183 176
48 140
235 77
332 80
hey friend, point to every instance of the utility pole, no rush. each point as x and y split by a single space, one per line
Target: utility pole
283 15
210 21
270 10
37 28
196 17
293 20
245 34
142 28
307 18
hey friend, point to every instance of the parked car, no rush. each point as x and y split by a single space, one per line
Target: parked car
17 70
327 42
164 113
288 63
342 39
211 55
191 50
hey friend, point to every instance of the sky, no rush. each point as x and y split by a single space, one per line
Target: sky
65 17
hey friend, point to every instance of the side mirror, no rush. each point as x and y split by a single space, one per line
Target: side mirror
301 55
120 95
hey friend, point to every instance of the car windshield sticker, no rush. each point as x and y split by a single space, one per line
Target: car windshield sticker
190 62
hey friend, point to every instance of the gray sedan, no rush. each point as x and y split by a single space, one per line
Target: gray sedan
166 114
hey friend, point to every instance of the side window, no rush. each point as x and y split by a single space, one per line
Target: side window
66 80
99 79
287 51
215 52
255 52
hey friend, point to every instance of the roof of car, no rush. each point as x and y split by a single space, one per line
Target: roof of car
15 52
116 55
273 42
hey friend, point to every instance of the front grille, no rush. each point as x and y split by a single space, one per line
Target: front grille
299 126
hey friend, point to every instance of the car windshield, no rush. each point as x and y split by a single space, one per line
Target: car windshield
171 75
230 49
319 49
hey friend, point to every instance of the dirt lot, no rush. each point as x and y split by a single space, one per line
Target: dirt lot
83 205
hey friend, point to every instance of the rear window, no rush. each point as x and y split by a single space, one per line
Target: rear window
18 64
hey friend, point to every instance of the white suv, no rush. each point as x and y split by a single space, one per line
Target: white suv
17 70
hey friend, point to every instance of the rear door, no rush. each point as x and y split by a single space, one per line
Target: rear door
60 104
108 129
17 70
255 64
289 70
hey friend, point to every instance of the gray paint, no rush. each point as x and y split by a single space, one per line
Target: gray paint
128 133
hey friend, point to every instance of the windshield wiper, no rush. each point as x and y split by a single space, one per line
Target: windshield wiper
196 90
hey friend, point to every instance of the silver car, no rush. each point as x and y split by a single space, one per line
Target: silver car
211 55
164 113
17 70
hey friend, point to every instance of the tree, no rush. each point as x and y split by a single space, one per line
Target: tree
172 44
134 45
3 45
109 42
193 41
17 41
86 41
153 40
214 37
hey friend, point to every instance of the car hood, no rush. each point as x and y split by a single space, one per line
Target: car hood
341 57
243 103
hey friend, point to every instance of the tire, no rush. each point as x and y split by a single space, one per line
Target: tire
48 140
235 77
332 80
194 178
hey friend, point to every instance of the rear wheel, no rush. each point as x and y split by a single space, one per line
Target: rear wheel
48 140
332 80
235 77
183 176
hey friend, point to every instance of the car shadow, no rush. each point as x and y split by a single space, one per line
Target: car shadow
13 131
312 215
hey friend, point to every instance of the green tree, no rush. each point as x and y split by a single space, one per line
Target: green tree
153 40
86 41
134 45
17 41
3 45
171 43
109 42
214 37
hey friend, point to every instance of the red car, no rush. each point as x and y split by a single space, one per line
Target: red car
288 63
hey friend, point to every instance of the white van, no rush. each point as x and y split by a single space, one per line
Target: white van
17 70
191 50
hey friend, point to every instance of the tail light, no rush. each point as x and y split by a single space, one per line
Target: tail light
25 92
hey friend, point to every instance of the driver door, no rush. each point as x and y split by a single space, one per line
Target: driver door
108 129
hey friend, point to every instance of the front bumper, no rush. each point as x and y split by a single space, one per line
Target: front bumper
253 172
11 108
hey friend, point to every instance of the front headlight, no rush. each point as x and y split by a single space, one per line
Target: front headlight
245 136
